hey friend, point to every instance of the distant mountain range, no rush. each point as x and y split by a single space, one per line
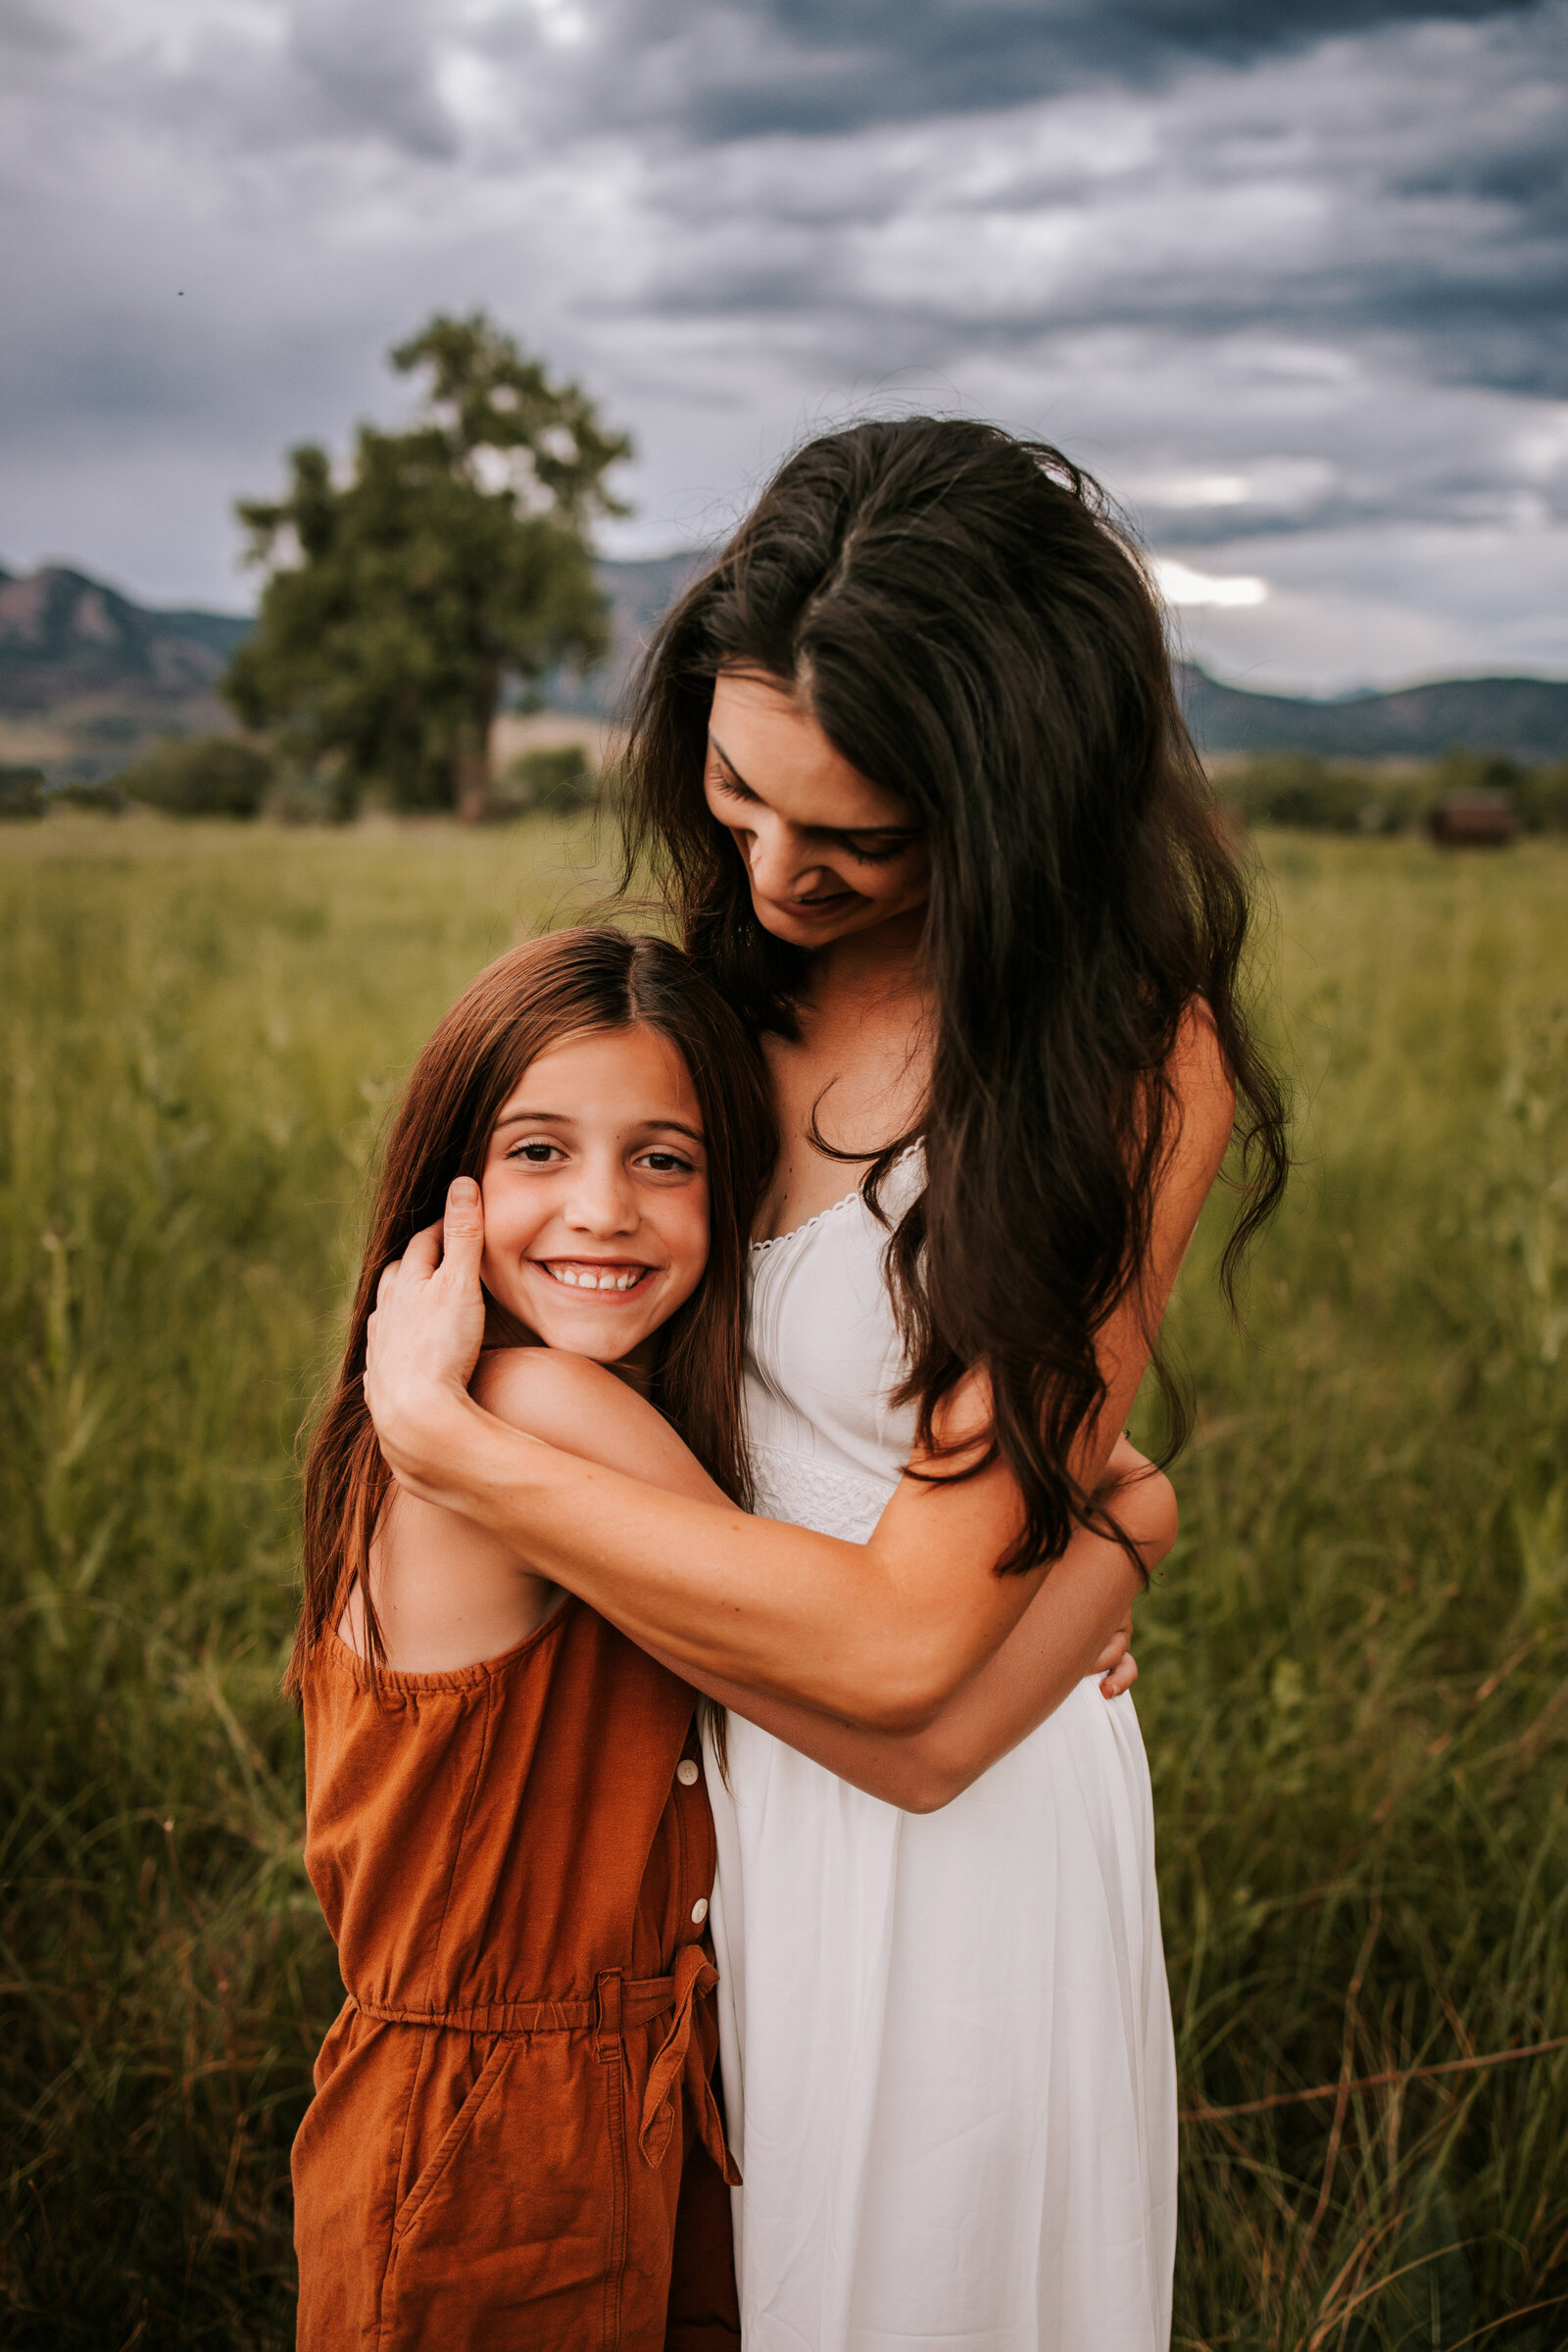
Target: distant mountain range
67 639
1524 718
64 637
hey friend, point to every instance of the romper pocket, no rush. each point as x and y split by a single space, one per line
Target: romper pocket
510 2234
467 2108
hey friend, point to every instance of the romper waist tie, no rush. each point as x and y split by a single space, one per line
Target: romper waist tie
620 2003
679 2061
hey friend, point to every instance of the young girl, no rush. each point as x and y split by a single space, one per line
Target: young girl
515 2137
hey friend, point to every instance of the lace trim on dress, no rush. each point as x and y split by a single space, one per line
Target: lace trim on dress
774 1239
818 1494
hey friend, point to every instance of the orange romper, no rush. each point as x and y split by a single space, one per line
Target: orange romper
514 2141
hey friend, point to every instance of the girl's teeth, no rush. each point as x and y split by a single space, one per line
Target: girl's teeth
586 1281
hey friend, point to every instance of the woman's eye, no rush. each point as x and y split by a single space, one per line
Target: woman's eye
880 856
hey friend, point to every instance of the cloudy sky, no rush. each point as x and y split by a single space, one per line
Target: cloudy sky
1291 275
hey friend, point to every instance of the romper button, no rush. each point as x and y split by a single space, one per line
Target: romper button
686 1773
700 1909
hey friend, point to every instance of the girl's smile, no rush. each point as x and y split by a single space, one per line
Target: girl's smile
595 1274
595 1194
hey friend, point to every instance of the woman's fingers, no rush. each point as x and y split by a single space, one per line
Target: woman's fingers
462 1232
1121 1676
424 1337
422 1256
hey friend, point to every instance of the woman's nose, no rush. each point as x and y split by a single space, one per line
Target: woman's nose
779 863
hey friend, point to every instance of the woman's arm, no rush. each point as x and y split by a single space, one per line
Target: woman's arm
883 1634
1077 1624
569 1403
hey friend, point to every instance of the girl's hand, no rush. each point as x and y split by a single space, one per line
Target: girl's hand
424 1342
1145 1501
1115 1664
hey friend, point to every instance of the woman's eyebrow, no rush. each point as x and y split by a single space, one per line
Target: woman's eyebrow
838 832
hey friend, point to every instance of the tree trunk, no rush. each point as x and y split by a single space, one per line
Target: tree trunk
470 775
470 767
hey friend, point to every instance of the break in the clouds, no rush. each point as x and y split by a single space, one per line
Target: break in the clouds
1290 278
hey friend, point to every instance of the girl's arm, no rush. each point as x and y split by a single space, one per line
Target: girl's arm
882 1633
576 1404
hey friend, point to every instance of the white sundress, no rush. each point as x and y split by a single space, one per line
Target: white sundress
947 2040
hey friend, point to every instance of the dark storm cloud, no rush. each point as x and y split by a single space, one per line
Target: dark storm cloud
368 68
1292 277
834 65
344 72
1408 194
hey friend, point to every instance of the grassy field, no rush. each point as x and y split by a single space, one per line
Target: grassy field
1353 1692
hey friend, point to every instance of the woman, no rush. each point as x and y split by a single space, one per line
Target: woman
911 763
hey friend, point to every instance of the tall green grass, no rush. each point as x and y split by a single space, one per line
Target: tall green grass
1354 1688
1354 1697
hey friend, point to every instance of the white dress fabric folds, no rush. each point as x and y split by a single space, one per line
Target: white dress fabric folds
947 2039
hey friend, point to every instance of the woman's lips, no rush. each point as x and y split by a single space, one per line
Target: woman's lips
802 909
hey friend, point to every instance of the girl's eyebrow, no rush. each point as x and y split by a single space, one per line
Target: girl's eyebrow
836 832
563 1118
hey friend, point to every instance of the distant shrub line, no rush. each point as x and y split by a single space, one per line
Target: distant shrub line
221 775
1338 796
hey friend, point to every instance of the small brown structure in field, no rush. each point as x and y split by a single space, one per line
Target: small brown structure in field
1473 821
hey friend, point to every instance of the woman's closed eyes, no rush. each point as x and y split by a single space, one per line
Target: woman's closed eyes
879 845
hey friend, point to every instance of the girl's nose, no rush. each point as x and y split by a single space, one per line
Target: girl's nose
602 1202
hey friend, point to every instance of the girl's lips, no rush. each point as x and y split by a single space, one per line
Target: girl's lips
614 1278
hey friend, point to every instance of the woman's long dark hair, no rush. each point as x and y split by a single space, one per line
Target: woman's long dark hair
974 635
569 984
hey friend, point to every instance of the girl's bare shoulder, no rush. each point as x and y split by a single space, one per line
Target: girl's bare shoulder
547 1392
583 1408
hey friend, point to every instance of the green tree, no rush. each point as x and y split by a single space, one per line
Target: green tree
455 554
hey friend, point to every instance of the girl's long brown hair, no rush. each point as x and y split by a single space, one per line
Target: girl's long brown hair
570 984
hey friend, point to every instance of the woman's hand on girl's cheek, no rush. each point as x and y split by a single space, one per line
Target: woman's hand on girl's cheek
424 1337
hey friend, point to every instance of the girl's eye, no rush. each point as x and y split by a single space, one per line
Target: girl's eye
537 1156
665 1163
